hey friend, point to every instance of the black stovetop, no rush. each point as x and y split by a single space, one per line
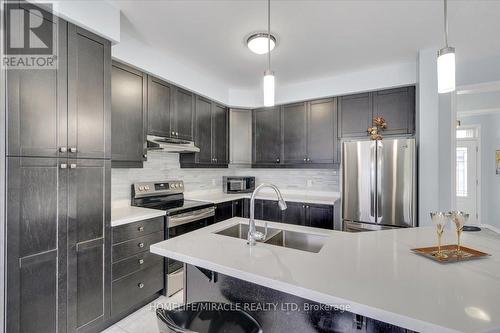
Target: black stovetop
172 204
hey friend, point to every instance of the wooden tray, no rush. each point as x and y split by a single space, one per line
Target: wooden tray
451 253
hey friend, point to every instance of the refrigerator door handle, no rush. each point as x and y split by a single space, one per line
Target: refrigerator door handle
373 177
380 161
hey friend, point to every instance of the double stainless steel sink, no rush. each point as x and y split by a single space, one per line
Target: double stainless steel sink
284 238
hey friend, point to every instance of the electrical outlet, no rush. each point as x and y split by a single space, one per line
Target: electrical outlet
213 182
309 183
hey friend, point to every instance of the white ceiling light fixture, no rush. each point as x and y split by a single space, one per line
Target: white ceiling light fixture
257 43
269 83
446 61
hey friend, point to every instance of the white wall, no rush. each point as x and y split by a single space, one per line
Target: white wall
99 17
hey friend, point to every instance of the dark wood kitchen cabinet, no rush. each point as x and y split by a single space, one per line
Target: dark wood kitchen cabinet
295 213
397 107
319 216
322 141
211 136
266 136
160 105
223 211
36 104
294 128
355 115
271 211
89 238
181 122
128 116
89 94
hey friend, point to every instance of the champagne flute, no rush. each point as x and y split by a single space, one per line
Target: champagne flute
459 218
440 220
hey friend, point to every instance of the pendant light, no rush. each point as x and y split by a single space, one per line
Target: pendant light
268 74
446 61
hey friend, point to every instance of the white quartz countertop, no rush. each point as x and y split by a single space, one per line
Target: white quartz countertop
325 198
375 273
122 213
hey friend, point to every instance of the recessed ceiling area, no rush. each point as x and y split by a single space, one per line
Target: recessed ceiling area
316 39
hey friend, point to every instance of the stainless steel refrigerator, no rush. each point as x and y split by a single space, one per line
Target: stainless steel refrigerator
379 184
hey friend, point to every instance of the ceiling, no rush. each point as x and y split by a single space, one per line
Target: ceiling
316 39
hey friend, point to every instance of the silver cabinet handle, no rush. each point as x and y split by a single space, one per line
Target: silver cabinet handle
64 166
141 228
73 150
140 244
145 155
277 160
141 261
308 159
305 159
173 133
63 149
72 166
303 206
141 285
176 133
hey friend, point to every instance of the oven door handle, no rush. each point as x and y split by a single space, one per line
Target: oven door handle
177 220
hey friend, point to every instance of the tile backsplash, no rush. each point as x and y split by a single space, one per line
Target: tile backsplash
161 166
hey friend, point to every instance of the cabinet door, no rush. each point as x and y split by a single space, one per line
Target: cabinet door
36 256
89 94
204 130
219 134
184 114
36 103
294 128
128 116
397 107
355 115
223 211
257 209
322 132
271 211
89 259
159 107
238 208
320 216
295 213
240 138
266 136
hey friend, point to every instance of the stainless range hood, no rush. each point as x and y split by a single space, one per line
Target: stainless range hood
170 145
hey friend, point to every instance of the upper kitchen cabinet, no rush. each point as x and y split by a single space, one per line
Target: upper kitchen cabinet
128 116
355 115
294 129
397 107
211 136
266 136
240 137
322 142
181 121
89 94
36 103
160 104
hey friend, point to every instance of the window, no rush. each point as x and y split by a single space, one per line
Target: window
461 171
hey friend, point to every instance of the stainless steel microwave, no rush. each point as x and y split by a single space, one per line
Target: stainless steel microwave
235 184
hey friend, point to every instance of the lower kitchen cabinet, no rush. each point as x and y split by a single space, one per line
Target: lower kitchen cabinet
319 216
295 213
228 209
138 275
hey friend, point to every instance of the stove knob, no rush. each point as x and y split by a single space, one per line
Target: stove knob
180 185
146 187
141 188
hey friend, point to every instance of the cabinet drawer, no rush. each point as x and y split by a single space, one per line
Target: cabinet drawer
136 245
135 263
137 229
136 287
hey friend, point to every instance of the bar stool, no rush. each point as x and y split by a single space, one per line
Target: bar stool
206 317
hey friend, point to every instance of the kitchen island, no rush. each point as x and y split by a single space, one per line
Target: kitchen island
374 273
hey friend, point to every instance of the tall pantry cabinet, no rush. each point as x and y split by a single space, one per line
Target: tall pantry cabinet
58 188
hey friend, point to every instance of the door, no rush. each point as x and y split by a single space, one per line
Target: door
295 213
266 136
204 130
89 264
467 180
89 94
294 128
36 256
219 134
359 180
396 182
182 122
159 107
396 106
322 132
319 216
36 104
128 115
355 115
